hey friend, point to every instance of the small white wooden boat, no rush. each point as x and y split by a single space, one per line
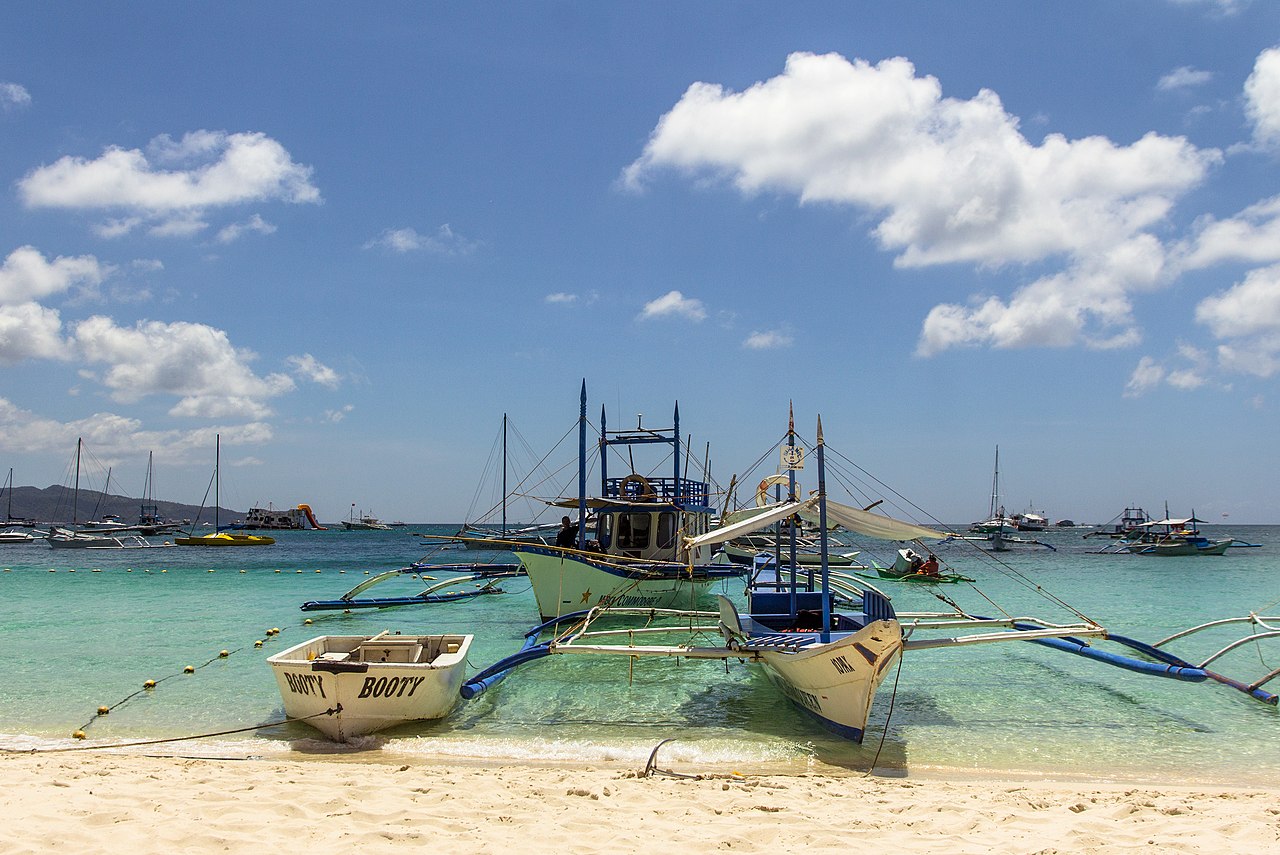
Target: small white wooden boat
369 683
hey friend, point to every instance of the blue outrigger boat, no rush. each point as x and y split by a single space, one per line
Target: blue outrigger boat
828 640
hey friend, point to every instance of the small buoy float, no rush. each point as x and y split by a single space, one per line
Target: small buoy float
165 570
128 570
224 654
79 734
307 622
150 684
317 571
243 571
210 570
340 571
52 570
72 570
103 710
96 570
299 571
190 669
258 643
277 571
275 630
366 572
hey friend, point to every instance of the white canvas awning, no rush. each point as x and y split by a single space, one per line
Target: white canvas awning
762 520
876 525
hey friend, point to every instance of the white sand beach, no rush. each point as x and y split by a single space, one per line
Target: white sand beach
90 802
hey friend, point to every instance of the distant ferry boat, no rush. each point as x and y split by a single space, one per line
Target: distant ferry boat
280 519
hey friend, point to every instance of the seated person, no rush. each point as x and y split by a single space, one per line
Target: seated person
930 566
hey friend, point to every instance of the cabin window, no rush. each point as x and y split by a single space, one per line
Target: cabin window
666 530
602 529
633 531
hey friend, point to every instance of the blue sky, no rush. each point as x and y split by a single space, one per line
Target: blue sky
349 237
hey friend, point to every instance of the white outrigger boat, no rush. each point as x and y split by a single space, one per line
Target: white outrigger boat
827 640
640 552
352 685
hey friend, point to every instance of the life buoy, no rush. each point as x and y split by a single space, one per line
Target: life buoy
762 491
644 493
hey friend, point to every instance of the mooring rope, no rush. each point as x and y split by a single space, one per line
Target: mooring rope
85 747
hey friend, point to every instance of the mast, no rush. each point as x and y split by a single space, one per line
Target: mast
791 497
76 494
504 475
8 514
217 477
582 465
822 537
675 455
995 487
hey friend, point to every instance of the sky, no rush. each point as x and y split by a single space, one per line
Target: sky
348 238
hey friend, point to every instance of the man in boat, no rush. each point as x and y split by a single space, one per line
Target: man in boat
568 534
930 566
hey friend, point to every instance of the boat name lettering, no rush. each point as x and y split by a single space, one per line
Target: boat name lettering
628 600
842 665
390 687
801 697
306 684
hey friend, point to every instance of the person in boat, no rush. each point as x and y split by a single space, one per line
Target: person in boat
930 566
916 561
568 534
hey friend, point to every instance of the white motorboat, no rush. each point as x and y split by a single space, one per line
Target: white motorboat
351 685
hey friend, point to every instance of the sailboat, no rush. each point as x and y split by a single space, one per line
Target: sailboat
11 534
997 521
216 537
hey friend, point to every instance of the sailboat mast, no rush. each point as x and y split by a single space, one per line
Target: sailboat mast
76 494
217 478
504 475
995 487
582 466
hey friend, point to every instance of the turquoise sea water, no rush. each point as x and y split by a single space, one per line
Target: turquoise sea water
82 630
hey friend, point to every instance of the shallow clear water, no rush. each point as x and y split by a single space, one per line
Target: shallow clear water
83 630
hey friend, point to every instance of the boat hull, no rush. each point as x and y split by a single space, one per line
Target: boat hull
565 583
836 683
224 538
373 682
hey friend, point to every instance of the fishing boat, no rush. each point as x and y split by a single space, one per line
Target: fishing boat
352 685
60 538
217 538
1174 538
363 522
1127 524
909 566
630 547
826 641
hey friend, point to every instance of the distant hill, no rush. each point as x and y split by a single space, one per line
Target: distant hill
53 504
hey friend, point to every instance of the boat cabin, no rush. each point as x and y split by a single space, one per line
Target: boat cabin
647 518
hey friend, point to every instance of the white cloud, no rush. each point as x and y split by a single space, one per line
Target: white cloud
30 331
1184 77
1246 318
951 181
561 298
310 368
27 275
193 361
213 169
1252 236
114 438
1087 303
673 303
1262 97
339 414
254 224
14 95
767 340
1147 375
444 242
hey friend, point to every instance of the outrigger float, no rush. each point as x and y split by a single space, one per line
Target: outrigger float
828 640
483 579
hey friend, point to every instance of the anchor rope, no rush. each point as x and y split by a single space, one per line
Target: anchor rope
330 711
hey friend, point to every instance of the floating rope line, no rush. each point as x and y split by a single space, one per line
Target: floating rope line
149 685
330 711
